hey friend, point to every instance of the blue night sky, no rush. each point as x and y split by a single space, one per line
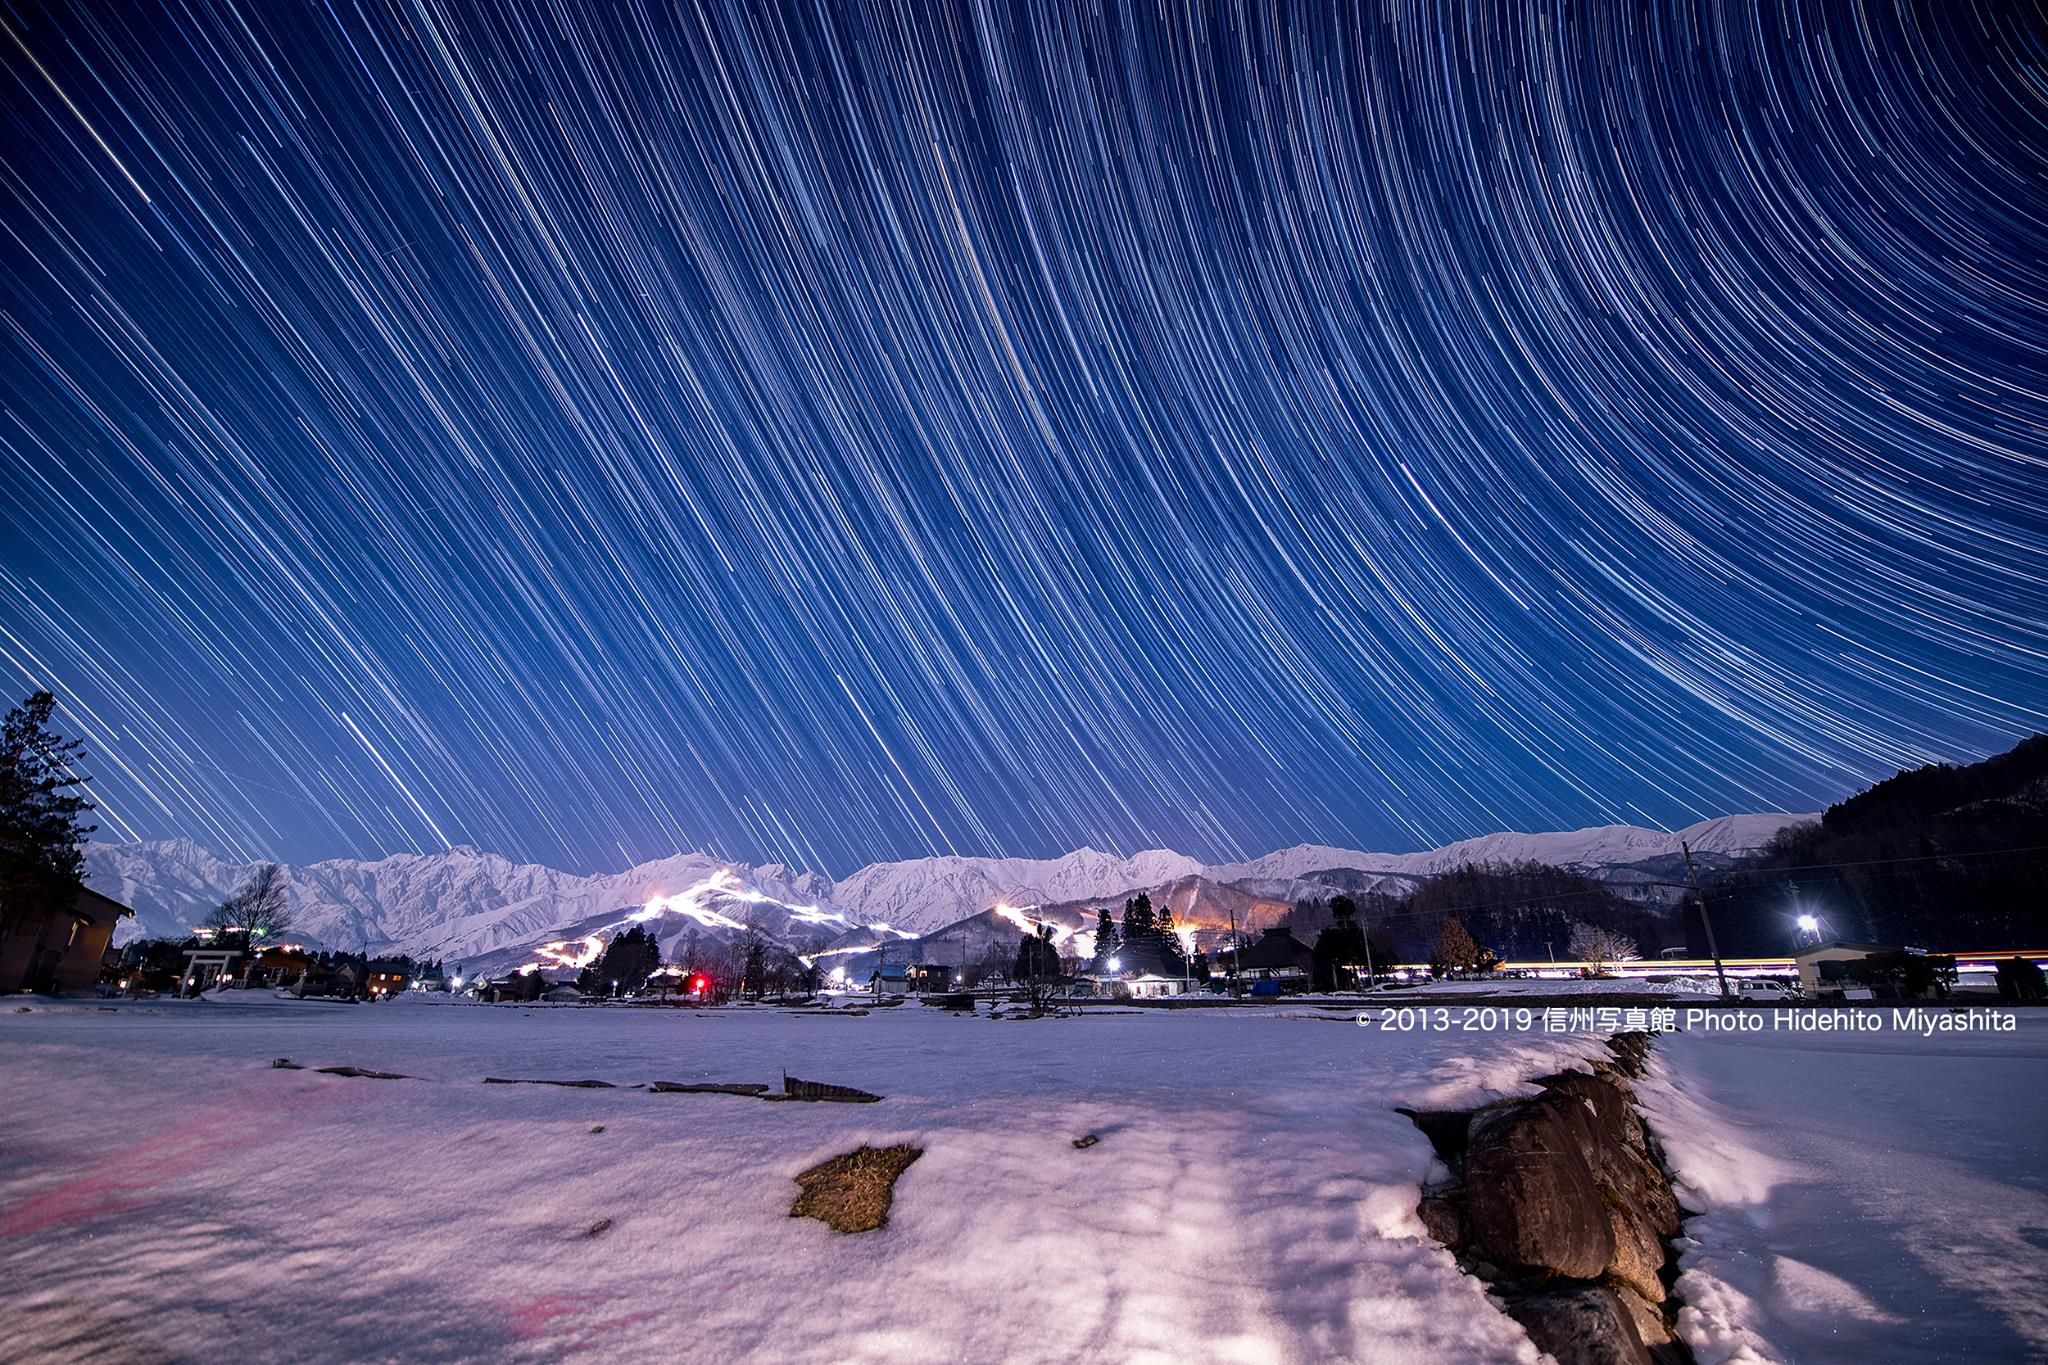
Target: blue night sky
824 433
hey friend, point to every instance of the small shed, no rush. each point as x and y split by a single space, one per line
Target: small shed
1821 968
58 946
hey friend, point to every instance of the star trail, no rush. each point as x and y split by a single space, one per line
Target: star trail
828 432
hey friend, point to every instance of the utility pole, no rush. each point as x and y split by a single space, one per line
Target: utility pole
1707 920
1236 987
1368 957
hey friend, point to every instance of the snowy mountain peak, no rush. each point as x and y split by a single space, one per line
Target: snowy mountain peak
462 903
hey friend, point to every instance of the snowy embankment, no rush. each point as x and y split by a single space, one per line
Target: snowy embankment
1252 1196
1867 1197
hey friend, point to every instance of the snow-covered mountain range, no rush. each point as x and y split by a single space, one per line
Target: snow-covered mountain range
462 905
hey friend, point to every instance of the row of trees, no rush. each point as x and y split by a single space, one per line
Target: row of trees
1474 917
1946 857
751 963
1146 933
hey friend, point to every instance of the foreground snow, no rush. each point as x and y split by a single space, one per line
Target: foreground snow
1252 1196
1868 1197
163 1190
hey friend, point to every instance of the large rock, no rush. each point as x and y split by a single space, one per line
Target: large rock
1584 1325
1650 1325
1638 1259
1532 1200
1443 1217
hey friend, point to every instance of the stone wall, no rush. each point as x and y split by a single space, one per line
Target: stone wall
1561 1204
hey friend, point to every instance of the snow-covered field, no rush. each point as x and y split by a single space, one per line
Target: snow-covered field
165 1193
1868 1197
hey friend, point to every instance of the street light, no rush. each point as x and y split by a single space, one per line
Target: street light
1809 924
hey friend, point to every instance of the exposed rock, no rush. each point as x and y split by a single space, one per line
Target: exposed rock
1448 1131
1532 1202
1560 1203
1650 1325
1444 1217
1639 1253
1583 1325
1631 1053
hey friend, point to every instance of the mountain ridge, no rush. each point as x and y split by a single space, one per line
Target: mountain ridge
463 903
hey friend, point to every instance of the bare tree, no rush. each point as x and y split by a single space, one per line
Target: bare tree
1601 948
261 908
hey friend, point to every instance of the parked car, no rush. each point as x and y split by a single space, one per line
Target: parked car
1763 990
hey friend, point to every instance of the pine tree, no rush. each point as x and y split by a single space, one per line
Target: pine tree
42 805
1106 942
1170 956
753 976
1037 958
1139 928
1340 951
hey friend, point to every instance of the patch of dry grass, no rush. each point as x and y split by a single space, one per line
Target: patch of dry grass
851 1193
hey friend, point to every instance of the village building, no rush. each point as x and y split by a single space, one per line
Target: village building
1824 971
518 987
1142 971
385 982
1278 964
1152 986
59 948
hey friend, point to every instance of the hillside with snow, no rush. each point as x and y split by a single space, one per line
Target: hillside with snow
463 905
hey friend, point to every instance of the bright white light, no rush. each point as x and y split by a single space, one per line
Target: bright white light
1116 964
1809 924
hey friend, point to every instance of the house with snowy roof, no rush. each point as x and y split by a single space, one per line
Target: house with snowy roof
1279 963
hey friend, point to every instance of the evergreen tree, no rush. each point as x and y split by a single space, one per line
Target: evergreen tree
1171 959
754 975
626 963
42 805
1340 950
1106 942
1139 928
1037 958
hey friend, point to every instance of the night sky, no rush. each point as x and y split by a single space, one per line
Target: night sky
835 432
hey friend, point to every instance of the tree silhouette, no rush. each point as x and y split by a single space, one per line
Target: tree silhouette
42 805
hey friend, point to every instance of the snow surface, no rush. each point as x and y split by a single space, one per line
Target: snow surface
1866 1197
1252 1197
